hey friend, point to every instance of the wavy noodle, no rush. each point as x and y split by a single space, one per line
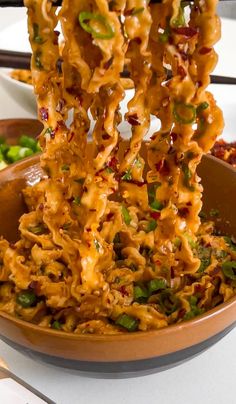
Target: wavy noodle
112 241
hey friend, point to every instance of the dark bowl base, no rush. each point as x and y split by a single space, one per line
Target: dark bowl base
118 370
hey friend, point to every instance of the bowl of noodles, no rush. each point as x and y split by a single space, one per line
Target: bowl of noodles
95 348
114 261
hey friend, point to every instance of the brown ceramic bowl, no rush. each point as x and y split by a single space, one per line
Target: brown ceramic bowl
130 354
12 129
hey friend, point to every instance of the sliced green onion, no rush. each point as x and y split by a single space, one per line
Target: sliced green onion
126 215
138 163
36 37
168 302
127 176
26 298
65 167
127 322
80 180
230 243
140 294
214 212
180 111
177 242
156 284
187 177
77 200
229 269
29 142
180 20
109 170
16 153
164 36
194 309
116 238
137 10
201 107
85 17
66 226
56 325
156 205
37 59
97 244
151 226
204 254
38 230
152 192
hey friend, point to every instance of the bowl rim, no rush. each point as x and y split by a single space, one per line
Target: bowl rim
165 331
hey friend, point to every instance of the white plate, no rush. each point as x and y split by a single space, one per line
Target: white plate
15 37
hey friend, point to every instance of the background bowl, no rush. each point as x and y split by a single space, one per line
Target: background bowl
128 354
13 129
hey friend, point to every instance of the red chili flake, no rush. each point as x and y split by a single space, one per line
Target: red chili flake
199 83
181 313
155 215
189 203
52 134
197 288
123 291
153 137
12 246
157 262
215 271
172 272
85 189
88 229
92 210
184 56
113 163
181 72
41 206
105 136
60 105
137 40
159 165
33 285
70 136
109 216
43 112
108 63
133 120
138 183
173 136
186 31
101 148
165 169
183 212
204 50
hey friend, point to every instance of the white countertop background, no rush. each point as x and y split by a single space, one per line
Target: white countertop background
209 378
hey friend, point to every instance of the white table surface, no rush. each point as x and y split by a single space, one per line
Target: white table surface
207 379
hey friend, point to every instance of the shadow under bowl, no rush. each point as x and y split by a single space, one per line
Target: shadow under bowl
129 354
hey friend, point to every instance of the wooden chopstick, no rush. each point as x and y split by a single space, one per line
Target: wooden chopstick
20 3
21 60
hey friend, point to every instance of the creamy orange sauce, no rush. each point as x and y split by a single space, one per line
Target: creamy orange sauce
112 241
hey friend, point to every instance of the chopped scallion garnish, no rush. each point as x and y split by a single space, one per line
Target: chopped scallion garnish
127 322
85 19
